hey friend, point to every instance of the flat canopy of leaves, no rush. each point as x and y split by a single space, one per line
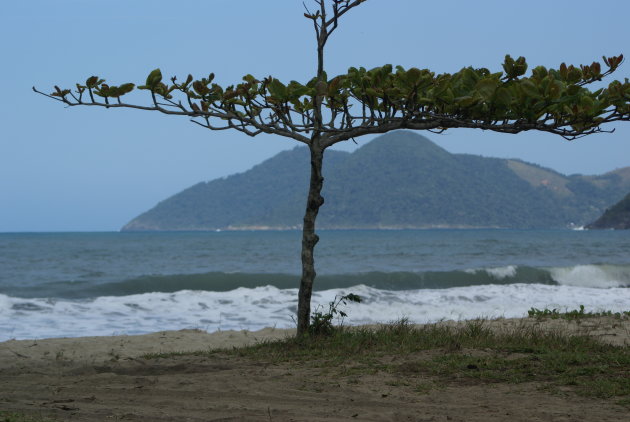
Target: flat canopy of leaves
385 98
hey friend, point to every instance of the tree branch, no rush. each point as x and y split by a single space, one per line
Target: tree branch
290 132
381 99
340 11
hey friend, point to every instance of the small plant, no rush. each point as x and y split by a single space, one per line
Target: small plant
322 323
476 328
574 315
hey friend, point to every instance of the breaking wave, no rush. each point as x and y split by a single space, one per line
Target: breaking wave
268 306
592 276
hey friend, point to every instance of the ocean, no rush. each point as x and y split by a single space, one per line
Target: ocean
90 284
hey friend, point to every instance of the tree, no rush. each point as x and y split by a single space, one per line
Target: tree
325 111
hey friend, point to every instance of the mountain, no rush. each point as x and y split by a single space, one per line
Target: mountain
398 180
616 217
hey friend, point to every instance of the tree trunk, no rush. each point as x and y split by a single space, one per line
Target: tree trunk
309 238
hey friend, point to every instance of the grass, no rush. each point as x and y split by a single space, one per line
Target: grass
431 356
20 417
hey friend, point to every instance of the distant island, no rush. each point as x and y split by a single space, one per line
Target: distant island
616 217
396 181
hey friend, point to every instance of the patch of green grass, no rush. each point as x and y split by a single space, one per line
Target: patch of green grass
472 351
574 315
624 402
364 344
20 417
602 372
448 354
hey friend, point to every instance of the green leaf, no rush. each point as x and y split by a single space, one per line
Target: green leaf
486 88
200 88
93 82
573 90
333 86
503 97
441 84
59 92
371 92
249 78
529 88
277 89
126 88
514 68
574 74
296 90
413 76
113 91
154 78
102 91
587 102
508 65
465 101
539 72
468 78
554 90
520 67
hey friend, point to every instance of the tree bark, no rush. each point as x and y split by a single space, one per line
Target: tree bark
309 238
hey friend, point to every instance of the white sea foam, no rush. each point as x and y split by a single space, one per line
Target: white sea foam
498 273
598 276
260 307
501 273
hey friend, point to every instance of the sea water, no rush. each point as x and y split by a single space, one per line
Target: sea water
84 284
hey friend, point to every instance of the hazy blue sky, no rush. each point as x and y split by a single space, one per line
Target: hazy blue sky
91 169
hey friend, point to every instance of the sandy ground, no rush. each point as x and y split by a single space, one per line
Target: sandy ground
106 379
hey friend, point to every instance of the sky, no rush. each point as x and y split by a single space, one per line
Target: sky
85 169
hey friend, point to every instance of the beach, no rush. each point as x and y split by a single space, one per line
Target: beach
139 378
132 307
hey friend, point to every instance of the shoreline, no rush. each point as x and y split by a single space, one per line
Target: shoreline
94 349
